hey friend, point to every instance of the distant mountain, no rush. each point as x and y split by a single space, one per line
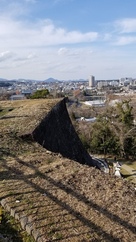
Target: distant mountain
5 83
51 80
3 79
48 80
56 80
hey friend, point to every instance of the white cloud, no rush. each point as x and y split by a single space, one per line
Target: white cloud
6 55
122 32
125 40
30 56
70 52
107 37
43 33
40 49
63 51
127 25
14 9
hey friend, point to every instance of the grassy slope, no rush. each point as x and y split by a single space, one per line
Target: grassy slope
62 199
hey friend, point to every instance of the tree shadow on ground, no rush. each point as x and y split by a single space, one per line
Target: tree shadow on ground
15 116
13 173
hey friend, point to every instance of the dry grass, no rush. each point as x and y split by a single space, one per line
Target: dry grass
64 200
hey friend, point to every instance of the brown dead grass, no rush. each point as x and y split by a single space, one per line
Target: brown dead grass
64 200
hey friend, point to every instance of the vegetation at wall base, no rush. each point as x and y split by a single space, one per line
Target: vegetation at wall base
113 132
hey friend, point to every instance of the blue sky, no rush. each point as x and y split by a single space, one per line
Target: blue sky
67 39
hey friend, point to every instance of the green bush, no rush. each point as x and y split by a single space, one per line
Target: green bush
40 94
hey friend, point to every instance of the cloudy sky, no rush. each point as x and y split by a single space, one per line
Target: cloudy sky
67 39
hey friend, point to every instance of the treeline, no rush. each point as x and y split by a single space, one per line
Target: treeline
113 132
40 94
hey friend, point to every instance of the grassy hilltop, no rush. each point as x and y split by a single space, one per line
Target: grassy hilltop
60 199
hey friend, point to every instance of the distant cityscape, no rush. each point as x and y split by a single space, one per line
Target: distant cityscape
23 88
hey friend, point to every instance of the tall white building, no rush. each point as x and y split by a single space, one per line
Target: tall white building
91 81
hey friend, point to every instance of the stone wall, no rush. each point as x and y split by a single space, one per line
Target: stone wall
57 134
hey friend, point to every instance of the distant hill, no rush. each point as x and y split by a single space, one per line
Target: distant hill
56 80
3 79
49 80
4 83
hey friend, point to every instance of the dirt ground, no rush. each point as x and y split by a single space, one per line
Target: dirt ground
62 199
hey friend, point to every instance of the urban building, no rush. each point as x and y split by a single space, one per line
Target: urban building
91 81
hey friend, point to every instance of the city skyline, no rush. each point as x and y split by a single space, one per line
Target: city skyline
67 39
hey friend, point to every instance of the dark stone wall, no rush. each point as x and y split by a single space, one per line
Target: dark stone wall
57 134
